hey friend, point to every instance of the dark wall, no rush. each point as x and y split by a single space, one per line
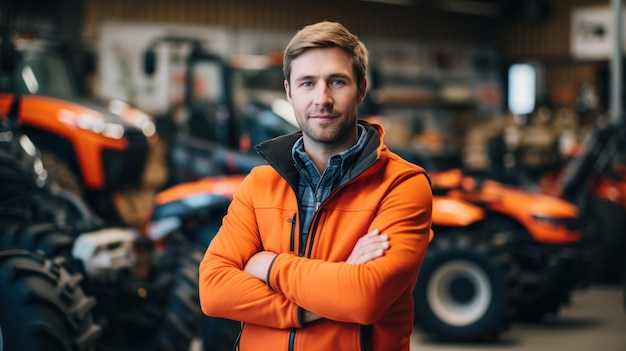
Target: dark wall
51 18
521 29
420 21
549 42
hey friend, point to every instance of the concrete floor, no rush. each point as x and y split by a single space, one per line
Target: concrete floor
596 321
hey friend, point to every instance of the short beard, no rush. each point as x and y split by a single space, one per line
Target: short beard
332 135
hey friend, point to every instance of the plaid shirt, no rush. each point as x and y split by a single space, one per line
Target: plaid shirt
314 187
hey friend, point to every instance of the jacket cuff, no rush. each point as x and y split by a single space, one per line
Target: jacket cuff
300 312
269 270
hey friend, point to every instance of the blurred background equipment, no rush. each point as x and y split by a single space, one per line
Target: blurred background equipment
93 148
145 119
223 112
72 280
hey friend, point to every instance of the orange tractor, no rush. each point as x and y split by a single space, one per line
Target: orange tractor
590 174
69 280
92 148
543 233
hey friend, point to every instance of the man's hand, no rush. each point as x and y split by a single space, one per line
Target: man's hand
370 246
259 264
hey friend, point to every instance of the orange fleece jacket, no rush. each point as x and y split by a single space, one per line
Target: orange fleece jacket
364 306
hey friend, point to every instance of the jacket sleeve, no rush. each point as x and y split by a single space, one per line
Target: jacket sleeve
225 289
362 293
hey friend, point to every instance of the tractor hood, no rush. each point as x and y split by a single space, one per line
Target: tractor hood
82 114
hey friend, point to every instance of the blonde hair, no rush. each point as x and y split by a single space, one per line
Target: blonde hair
327 35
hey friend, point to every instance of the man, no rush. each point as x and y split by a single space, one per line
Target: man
320 249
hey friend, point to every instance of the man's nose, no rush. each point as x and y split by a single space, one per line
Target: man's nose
323 95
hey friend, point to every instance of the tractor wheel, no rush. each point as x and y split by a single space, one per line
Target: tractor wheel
607 241
466 290
47 238
62 174
168 317
624 290
182 319
218 334
548 277
42 306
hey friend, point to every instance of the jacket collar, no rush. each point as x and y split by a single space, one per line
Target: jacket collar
277 151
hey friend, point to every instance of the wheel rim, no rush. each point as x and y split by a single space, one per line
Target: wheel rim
459 292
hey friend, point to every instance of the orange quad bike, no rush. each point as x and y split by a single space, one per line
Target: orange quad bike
468 285
93 148
542 233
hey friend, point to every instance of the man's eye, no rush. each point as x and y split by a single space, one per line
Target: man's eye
337 82
306 84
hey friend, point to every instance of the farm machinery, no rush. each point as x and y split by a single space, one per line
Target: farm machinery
71 282
95 149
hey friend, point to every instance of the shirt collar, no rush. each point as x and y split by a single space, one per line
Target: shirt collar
301 158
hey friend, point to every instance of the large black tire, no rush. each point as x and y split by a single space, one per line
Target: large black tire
466 290
169 316
605 231
218 334
49 239
182 321
549 276
43 207
25 188
42 306
62 174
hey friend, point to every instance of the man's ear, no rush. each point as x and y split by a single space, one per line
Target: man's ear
362 91
287 91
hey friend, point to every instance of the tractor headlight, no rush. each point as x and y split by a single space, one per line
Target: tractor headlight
100 126
113 130
133 116
146 125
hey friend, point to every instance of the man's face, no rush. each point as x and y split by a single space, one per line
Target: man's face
324 94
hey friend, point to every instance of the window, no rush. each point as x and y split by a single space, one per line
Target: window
522 88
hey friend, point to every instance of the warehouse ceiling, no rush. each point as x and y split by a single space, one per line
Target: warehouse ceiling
533 10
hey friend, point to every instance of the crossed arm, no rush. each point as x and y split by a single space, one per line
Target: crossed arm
379 268
369 247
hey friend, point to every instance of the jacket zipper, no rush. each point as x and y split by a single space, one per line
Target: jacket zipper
301 250
292 339
311 236
237 346
293 232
